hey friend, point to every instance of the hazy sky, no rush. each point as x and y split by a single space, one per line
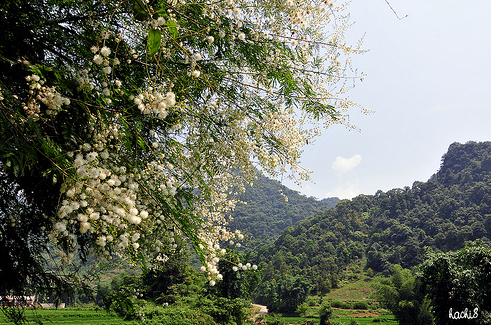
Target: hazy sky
429 85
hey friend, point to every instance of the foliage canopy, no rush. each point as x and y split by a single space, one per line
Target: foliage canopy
126 124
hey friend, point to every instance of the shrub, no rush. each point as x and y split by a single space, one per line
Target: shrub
312 303
360 305
325 313
302 309
340 304
275 319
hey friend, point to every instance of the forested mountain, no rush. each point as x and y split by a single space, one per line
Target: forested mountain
391 227
266 212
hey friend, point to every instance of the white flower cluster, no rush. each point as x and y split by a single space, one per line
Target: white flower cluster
118 207
104 199
124 205
155 102
102 56
39 93
244 267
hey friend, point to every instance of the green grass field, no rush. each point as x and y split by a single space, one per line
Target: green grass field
68 316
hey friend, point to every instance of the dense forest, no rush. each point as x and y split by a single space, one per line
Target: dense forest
394 227
265 212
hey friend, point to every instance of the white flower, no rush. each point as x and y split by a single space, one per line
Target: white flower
144 214
106 91
235 268
101 241
106 51
98 59
241 36
135 237
84 227
170 98
212 283
94 216
195 73
135 220
107 70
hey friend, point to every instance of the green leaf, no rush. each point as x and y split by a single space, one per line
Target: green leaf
154 40
172 28
139 11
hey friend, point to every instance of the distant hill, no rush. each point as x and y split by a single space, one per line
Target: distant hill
267 214
452 207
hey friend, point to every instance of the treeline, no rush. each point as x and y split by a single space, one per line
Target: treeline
266 212
392 227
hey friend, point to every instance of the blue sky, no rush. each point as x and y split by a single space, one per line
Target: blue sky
428 83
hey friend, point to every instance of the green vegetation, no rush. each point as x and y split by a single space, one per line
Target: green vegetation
403 296
266 212
389 228
459 283
337 266
126 126
70 316
284 295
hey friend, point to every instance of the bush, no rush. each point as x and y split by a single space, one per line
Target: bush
275 319
360 305
325 313
225 311
312 303
340 304
302 309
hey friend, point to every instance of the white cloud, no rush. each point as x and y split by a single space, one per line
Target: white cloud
343 165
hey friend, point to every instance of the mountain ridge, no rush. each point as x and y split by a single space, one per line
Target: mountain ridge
393 227
267 213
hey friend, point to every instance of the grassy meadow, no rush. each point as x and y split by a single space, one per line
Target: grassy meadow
68 316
